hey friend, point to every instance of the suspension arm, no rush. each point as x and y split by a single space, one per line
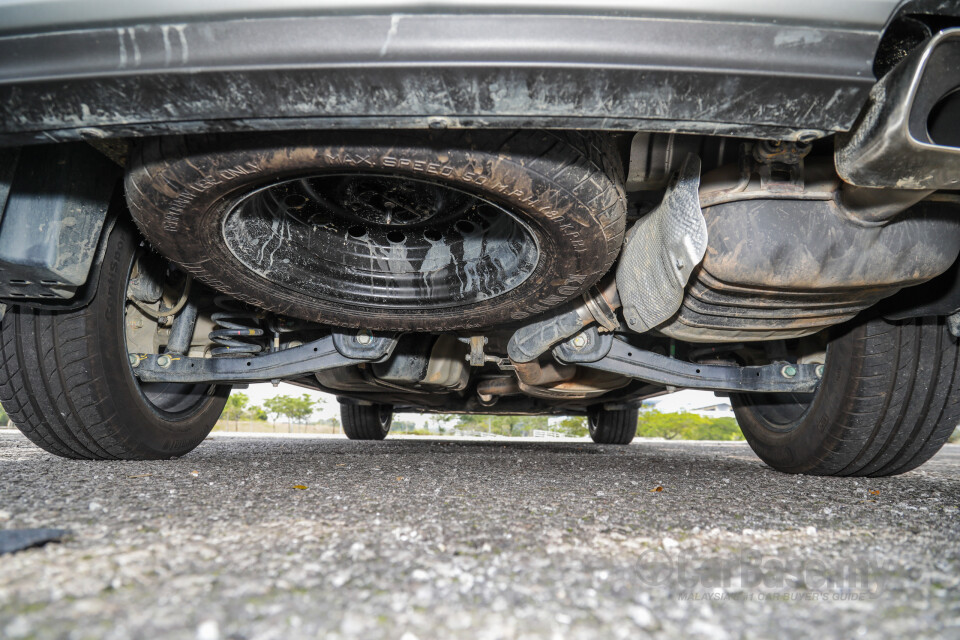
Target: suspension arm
330 352
607 353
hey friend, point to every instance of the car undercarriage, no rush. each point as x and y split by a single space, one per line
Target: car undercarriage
485 210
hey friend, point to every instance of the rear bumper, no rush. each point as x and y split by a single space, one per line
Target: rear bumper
757 79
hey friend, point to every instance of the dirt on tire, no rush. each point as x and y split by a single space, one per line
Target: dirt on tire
566 187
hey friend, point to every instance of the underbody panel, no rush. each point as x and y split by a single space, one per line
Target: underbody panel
686 72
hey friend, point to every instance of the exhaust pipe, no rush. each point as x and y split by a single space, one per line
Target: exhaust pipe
903 140
598 304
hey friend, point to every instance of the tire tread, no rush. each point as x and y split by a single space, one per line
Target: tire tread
614 426
58 388
898 403
362 422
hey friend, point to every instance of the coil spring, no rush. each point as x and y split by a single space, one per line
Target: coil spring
239 329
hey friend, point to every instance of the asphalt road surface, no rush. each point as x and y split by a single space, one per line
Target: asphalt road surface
441 538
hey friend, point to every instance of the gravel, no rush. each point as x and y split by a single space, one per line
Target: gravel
441 538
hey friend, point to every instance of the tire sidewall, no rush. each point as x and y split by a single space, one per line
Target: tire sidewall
804 445
616 426
593 422
385 414
152 433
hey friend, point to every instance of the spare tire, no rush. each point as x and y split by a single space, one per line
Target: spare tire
386 230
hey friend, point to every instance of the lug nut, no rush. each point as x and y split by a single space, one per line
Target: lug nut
164 361
364 337
819 370
580 341
788 371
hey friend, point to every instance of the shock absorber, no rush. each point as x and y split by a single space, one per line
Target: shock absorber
238 329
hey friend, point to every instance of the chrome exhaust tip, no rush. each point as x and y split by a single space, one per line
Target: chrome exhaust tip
908 136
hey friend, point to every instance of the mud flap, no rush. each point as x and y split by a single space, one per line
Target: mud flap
661 252
54 201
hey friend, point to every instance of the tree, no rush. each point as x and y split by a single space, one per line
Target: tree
686 426
274 407
503 425
292 408
525 425
255 412
236 403
653 424
4 418
574 426
300 409
400 426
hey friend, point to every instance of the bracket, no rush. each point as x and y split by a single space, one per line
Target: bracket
607 353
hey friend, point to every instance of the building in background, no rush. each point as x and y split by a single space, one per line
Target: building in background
702 403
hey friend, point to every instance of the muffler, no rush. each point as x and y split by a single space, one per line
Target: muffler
789 257
907 137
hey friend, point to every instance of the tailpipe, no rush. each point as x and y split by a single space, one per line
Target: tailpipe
907 138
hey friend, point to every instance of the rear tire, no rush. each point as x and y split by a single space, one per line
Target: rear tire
612 427
888 401
67 385
366 422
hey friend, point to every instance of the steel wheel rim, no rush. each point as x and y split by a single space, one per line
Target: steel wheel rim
381 241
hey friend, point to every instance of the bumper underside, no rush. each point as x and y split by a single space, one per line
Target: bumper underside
765 79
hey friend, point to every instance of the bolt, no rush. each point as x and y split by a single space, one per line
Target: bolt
632 322
364 337
788 371
164 361
580 341
819 370
133 359
679 264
